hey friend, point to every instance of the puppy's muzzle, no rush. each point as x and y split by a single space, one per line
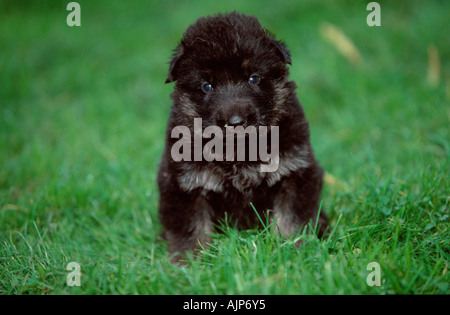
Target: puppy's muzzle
236 114
236 120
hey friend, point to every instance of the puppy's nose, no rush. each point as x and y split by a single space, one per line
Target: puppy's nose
236 120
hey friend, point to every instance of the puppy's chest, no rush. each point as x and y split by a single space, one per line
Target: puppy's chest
221 180
242 177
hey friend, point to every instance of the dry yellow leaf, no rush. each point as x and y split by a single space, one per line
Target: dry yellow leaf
342 43
434 66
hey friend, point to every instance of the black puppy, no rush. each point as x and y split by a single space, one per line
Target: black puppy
230 72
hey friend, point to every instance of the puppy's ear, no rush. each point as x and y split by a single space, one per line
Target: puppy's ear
178 53
285 54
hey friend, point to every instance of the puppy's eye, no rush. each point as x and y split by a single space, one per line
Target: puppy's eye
207 87
254 79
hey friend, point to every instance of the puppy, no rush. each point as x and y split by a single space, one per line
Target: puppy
232 73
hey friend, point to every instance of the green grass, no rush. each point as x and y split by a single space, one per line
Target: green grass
82 117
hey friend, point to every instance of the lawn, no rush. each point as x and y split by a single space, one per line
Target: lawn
83 112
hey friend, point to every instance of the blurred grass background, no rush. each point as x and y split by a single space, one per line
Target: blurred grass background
83 112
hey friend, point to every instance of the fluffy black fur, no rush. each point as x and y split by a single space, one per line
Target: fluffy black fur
225 51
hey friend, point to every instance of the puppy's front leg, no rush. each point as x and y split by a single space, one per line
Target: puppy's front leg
297 202
187 228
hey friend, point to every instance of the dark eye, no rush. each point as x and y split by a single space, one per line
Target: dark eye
206 87
254 79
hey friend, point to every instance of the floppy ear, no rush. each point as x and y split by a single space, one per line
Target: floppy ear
178 53
283 50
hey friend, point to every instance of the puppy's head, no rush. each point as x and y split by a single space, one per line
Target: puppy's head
229 71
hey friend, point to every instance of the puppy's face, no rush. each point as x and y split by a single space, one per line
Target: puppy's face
229 71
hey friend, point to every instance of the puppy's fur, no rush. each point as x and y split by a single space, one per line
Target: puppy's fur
225 51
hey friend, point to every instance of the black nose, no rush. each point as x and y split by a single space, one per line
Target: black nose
236 120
